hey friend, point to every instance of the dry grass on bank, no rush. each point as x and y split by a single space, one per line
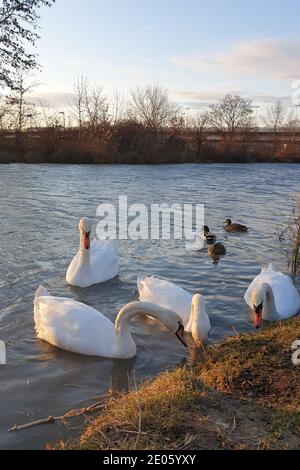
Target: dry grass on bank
241 394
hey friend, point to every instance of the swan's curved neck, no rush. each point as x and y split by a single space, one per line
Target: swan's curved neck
199 323
124 340
163 315
269 307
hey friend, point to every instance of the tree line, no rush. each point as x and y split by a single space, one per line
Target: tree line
145 127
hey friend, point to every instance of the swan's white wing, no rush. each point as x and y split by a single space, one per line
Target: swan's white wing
103 265
286 297
166 294
73 326
261 278
79 274
71 272
104 260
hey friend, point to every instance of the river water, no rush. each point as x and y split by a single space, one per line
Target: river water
40 209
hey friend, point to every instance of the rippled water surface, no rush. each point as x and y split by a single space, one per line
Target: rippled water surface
40 208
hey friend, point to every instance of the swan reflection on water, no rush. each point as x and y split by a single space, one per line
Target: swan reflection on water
115 375
123 375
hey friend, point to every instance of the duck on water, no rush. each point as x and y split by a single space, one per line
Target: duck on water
233 227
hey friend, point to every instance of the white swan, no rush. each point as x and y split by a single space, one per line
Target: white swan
272 296
191 309
78 328
95 262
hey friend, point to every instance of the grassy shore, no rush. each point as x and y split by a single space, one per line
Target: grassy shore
90 157
241 394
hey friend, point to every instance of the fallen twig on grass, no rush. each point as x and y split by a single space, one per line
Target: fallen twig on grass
234 424
236 332
53 419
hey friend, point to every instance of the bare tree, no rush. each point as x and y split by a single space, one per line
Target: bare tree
274 120
231 115
17 99
18 25
152 107
5 114
275 116
48 118
292 128
117 106
97 109
79 101
198 126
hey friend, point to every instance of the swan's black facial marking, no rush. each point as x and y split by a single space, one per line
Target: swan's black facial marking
258 309
257 320
180 334
86 238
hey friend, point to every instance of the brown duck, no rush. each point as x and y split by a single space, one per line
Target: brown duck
230 227
217 249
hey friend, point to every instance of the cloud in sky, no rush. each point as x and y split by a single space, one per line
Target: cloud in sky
217 94
144 29
269 58
211 95
198 100
260 69
192 98
51 99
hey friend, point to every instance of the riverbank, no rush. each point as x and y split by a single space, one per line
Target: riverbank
132 143
241 394
81 157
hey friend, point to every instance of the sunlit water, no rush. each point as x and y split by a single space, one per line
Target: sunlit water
40 209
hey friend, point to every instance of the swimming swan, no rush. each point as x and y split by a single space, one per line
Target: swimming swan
190 308
272 296
76 327
95 262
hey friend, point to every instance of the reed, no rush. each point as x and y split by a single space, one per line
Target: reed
289 235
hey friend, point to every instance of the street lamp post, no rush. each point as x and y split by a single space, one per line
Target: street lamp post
37 122
187 116
64 118
297 106
256 107
30 116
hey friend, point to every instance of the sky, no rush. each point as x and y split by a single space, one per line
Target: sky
198 50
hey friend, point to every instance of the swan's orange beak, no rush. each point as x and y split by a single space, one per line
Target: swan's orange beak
257 316
87 242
